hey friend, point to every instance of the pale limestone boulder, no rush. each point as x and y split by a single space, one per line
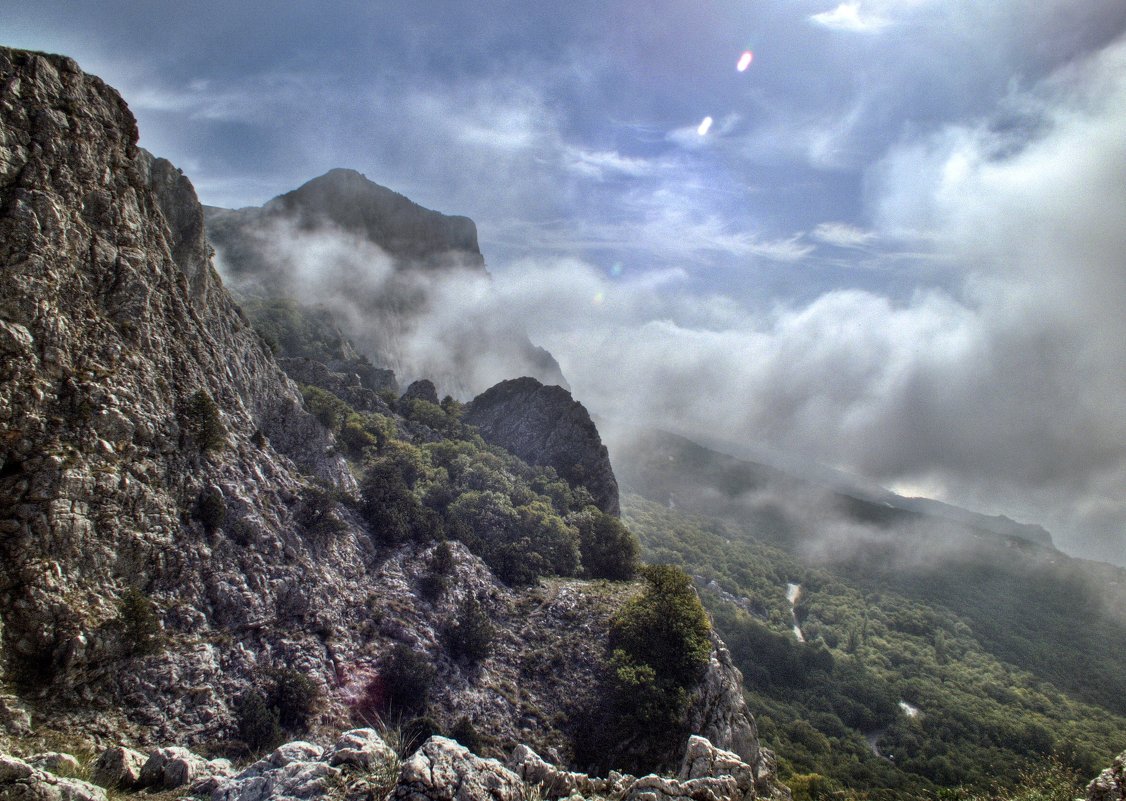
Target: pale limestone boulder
361 749
294 781
443 770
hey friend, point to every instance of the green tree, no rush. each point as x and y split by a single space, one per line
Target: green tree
202 422
609 549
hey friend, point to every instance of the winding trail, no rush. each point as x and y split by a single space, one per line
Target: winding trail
793 593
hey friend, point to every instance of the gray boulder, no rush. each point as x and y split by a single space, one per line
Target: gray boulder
118 768
361 749
20 781
169 768
442 770
295 781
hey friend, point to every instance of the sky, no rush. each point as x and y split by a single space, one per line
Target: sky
896 249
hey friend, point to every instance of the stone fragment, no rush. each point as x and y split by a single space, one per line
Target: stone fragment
169 768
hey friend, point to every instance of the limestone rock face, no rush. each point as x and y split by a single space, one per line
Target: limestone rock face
544 425
1110 785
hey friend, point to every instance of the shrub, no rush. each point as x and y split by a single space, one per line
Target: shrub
211 509
356 435
393 513
466 733
609 549
202 422
519 543
329 410
317 513
665 627
470 638
406 677
442 561
257 723
659 646
139 623
294 696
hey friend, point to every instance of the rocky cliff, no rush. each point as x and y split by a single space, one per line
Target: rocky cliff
544 425
176 530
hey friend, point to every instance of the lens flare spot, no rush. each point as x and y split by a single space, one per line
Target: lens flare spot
599 298
745 61
705 126
616 270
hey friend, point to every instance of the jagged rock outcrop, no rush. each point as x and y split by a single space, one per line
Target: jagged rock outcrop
422 389
718 713
347 200
444 770
360 764
1110 785
544 425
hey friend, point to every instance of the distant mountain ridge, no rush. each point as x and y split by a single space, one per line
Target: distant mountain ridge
384 267
642 454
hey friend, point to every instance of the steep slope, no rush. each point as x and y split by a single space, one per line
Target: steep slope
179 535
395 276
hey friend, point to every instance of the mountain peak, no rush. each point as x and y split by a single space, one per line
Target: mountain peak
347 199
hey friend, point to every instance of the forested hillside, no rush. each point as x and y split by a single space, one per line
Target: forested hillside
896 687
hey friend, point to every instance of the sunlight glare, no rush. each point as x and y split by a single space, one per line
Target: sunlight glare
705 126
745 61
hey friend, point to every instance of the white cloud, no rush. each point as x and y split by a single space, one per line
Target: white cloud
848 17
843 235
599 164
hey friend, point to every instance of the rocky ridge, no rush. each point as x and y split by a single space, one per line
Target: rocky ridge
544 425
159 473
360 764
